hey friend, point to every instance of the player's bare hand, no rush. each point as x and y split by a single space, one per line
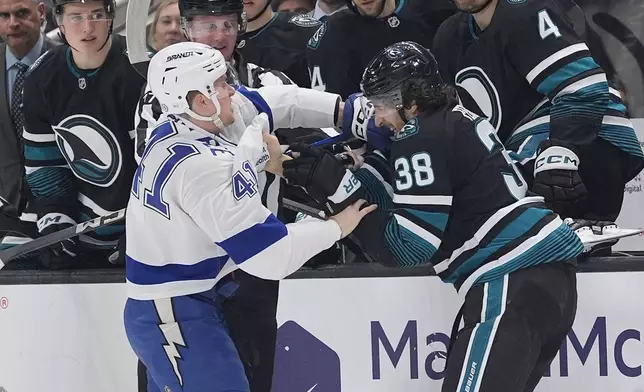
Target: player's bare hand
272 145
351 216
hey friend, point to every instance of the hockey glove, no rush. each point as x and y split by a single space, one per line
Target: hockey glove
117 256
557 179
322 175
359 122
62 254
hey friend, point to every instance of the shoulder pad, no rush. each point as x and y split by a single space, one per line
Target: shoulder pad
304 20
315 40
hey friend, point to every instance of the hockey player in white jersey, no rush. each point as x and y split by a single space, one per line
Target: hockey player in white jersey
195 215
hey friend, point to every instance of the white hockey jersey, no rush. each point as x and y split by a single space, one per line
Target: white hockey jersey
195 212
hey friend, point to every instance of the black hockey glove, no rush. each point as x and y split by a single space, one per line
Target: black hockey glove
323 176
61 255
557 179
117 256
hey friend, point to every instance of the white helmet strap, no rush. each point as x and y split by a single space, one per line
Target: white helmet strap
214 118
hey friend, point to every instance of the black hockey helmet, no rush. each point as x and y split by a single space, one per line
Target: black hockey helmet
110 9
110 6
402 73
188 9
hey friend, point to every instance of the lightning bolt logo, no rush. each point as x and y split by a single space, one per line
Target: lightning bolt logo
172 334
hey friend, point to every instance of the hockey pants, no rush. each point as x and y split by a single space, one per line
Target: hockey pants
249 306
184 344
513 328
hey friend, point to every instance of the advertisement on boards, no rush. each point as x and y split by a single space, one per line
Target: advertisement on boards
335 335
632 215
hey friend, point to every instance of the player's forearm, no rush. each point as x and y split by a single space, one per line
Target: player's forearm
295 107
304 240
577 118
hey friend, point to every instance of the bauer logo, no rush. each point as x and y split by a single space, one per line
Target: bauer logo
303 363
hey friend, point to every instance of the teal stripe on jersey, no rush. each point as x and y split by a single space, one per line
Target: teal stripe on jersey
517 228
436 219
42 153
516 140
529 149
408 248
623 138
565 73
589 98
560 245
483 335
51 182
375 190
617 106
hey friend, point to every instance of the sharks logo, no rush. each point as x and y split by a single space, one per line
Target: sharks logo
90 148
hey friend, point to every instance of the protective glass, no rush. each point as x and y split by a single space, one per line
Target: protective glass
204 27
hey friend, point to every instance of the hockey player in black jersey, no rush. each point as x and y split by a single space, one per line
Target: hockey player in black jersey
341 48
450 196
277 40
521 64
79 104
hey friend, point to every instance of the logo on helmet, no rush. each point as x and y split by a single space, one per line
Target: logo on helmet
179 56
394 53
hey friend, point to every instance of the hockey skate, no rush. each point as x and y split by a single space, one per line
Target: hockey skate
596 235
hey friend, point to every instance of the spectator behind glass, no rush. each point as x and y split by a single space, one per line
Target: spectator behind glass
295 6
166 27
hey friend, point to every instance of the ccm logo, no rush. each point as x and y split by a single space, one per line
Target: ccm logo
554 159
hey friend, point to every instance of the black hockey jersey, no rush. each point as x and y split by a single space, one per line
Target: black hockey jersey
281 45
531 75
342 47
79 137
457 201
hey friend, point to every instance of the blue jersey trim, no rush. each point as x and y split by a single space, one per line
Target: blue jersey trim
252 241
260 103
144 274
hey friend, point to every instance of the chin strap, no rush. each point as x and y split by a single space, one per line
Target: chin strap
214 118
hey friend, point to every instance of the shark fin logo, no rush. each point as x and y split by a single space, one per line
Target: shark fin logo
90 148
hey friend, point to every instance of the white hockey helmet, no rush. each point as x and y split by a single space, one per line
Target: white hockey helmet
181 68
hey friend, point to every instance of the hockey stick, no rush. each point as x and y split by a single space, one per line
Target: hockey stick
303 208
51 239
91 225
